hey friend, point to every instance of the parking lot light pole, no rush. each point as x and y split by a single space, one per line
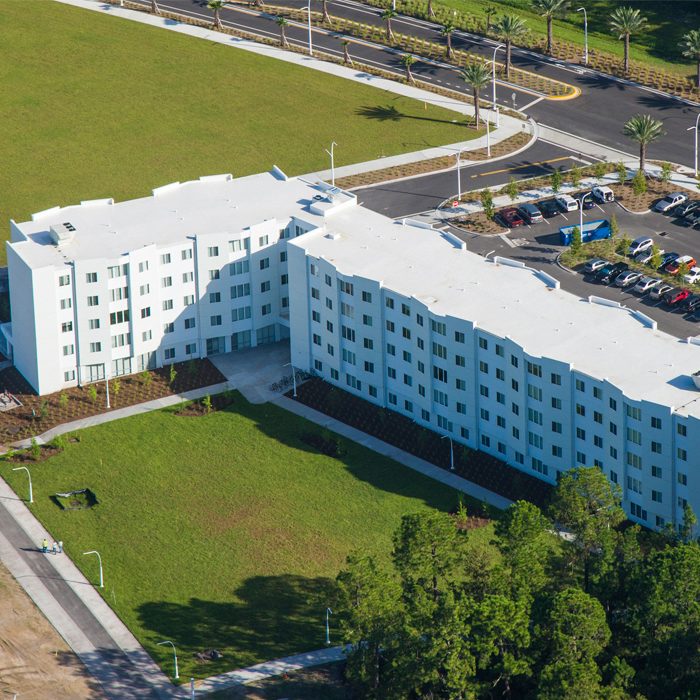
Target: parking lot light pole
308 9
690 128
294 379
328 629
585 34
330 153
99 559
452 453
493 79
29 476
177 674
488 137
580 211
459 176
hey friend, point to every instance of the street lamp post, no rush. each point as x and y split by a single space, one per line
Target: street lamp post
308 9
580 212
690 128
459 176
585 34
328 629
493 79
167 641
488 137
330 153
106 384
452 453
294 379
29 476
99 559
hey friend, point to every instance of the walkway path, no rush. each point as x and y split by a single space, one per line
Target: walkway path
383 448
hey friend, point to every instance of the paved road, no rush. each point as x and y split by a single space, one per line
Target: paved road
538 246
427 192
117 675
598 114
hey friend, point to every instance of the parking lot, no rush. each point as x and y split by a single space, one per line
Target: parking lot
539 245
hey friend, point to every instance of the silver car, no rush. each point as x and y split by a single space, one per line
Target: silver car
627 278
594 265
670 201
660 289
646 284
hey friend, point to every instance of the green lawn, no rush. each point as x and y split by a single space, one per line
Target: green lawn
224 531
94 106
657 44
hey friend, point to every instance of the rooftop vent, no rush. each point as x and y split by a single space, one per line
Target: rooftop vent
62 233
696 379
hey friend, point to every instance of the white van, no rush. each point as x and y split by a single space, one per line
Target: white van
603 194
567 203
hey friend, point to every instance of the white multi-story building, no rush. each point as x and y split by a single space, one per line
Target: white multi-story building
489 353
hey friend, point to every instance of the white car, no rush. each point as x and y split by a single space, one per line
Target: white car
646 284
603 194
639 245
567 203
693 275
670 201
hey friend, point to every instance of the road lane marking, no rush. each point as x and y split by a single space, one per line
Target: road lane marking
524 165
534 102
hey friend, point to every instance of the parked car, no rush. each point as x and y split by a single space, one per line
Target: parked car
627 278
676 296
673 267
657 292
645 284
640 244
530 213
588 201
646 255
603 194
549 208
594 265
686 208
566 202
692 303
510 217
670 201
607 274
667 258
693 275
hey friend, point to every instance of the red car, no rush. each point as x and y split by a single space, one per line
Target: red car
673 267
675 296
511 217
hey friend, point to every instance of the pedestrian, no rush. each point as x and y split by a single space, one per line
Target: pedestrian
60 546
54 547
45 545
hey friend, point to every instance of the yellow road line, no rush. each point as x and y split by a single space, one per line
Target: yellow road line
571 96
520 167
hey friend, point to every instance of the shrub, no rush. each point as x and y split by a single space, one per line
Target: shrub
655 261
623 245
666 172
614 226
146 378
173 375
575 176
511 189
44 409
639 183
486 197
59 442
621 172
191 368
326 443
116 388
35 449
576 241
599 170
556 180
206 402
92 393
63 399
683 269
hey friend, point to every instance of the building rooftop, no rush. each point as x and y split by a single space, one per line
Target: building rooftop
215 204
598 338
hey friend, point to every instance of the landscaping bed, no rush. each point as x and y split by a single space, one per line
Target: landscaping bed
40 413
395 429
478 222
624 193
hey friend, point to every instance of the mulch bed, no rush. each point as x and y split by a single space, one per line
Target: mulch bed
478 223
395 429
194 409
642 202
44 452
51 410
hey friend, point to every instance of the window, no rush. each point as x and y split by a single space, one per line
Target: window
420 344
240 290
265 286
500 398
499 350
519 457
460 384
240 313
440 351
656 471
347 333
534 416
389 303
118 294
613 428
214 274
556 379
484 391
461 408
391 372
334 374
514 385
214 297
67 327
580 410
213 251
94 324
188 300
632 412
656 496
166 282
169 353
372 391
96 347
534 369
634 460
316 339
500 374
186 254
64 280
682 479
408 380
190 323
556 427
406 356
500 421
613 404
167 305
266 309
165 259
145 312
117 271
580 385
367 297
236 246
483 344
347 310
613 476
483 367
146 336
485 440
656 423
144 289
390 349
581 458
597 393
168 327
597 417
329 303
682 454
405 309
634 485
191 349
438 327
408 406
241 267
69 376
638 511
187 277
634 436
514 360
556 403
405 332
534 392
369 367
93 301
538 466
613 452
459 337
440 397
263 240
68 350
368 343
143 266
656 447
284 279
392 399
119 341
535 440
390 326
264 263
91 277
440 374
681 429
556 451
516 433
515 409
117 317
598 441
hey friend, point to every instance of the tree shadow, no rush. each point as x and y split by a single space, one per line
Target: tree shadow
268 617
389 113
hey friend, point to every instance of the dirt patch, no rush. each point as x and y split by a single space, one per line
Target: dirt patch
34 661
431 165
40 413
207 405
478 223
644 201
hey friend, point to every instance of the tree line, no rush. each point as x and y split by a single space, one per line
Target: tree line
589 608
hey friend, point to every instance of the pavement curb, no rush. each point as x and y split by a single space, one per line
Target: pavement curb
561 265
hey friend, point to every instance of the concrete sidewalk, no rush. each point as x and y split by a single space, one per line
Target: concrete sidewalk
383 448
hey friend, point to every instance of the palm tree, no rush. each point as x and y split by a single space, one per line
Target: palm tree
508 29
625 21
431 12
154 7
447 31
490 12
216 5
477 75
643 129
408 60
387 15
549 9
326 17
346 53
282 24
691 49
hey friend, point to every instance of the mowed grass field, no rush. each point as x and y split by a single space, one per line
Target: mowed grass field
95 106
224 531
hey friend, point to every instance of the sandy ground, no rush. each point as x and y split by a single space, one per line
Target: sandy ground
35 662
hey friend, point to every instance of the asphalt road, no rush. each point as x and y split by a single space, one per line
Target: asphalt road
538 246
427 192
598 114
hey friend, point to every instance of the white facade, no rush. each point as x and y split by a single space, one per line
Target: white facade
490 353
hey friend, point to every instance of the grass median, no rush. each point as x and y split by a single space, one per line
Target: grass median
225 531
96 106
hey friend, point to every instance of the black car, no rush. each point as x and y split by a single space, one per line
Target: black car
608 273
588 201
549 208
686 207
667 258
692 303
